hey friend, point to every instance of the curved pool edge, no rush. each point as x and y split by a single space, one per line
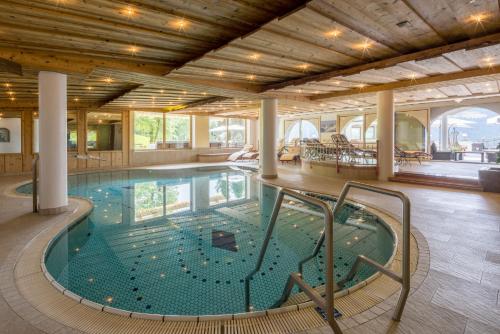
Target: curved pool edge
205 317
166 317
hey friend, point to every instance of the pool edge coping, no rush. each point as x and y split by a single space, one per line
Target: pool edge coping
421 244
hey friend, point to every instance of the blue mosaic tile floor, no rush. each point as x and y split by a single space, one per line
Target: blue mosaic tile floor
182 242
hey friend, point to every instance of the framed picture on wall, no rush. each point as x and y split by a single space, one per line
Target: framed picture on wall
328 126
4 135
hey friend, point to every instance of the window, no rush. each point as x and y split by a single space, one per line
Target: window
217 131
104 131
227 132
71 132
153 130
301 129
10 132
371 132
351 127
148 130
236 132
177 131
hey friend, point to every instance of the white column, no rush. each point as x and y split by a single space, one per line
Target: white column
443 140
267 143
53 176
200 137
252 133
385 134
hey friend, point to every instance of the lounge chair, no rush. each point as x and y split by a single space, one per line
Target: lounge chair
239 154
403 157
292 154
349 152
252 155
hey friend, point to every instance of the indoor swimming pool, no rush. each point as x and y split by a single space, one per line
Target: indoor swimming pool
181 242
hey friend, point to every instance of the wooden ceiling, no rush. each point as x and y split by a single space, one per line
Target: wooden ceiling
221 58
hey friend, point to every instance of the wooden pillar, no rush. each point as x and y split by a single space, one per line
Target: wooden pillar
27 139
81 142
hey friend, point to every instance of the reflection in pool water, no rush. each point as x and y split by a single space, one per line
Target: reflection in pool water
183 241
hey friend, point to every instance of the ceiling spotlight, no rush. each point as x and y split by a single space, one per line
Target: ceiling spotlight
180 24
128 11
333 33
477 18
133 50
254 56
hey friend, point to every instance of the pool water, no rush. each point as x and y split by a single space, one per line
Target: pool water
181 242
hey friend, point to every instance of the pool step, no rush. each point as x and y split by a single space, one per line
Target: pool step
438 181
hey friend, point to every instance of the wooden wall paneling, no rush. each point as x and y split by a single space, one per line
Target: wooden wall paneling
2 163
72 161
117 158
13 163
106 160
92 163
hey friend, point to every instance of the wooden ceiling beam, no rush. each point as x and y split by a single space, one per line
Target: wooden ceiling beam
409 83
8 66
247 88
71 63
379 64
201 102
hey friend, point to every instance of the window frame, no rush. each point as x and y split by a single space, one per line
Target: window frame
165 144
225 144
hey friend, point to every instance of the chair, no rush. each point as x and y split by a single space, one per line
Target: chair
240 154
348 151
403 157
292 154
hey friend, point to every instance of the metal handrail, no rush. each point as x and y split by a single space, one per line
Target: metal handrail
34 183
326 303
404 278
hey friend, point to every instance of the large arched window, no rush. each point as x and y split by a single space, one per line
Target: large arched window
353 129
468 129
300 130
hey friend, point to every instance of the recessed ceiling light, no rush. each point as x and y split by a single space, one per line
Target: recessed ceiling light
333 33
128 11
